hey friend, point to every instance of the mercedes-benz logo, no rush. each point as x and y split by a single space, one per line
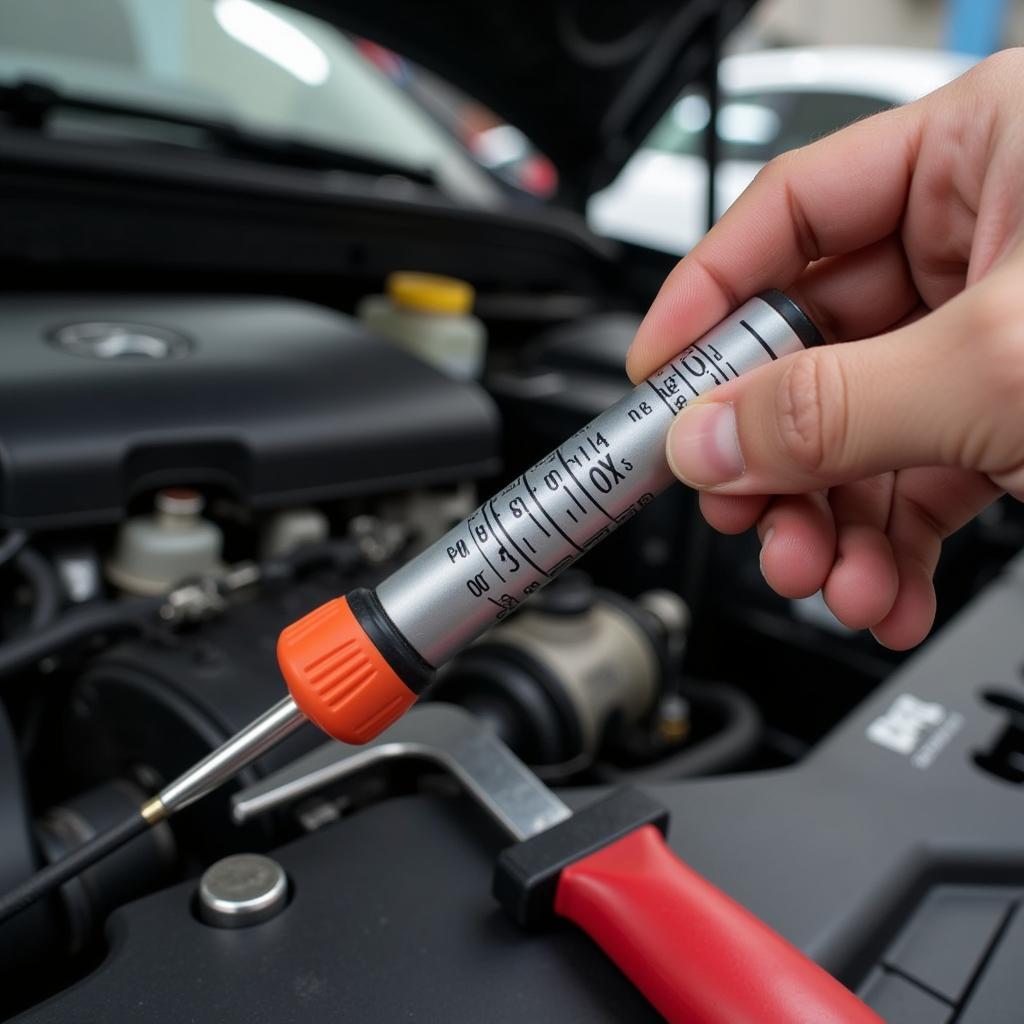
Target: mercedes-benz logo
106 340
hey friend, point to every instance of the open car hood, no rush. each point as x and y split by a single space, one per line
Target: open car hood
585 80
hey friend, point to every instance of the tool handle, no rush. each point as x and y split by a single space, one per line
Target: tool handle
696 954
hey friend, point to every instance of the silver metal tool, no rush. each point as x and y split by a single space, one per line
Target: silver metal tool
604 474
441 733
221 764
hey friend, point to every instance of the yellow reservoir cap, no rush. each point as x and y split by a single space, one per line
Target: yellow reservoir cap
429 293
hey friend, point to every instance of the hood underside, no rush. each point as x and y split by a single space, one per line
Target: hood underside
585 80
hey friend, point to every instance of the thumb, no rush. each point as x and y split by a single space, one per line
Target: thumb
940 391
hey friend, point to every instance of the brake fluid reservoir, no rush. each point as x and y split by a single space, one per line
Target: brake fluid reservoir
430 316
174 542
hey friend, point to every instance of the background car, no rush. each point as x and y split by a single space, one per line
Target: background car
772 101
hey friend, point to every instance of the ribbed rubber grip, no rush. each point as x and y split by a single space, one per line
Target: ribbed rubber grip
338 677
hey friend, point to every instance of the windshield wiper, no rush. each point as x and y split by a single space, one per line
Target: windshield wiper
31 104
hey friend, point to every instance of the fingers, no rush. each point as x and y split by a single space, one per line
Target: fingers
835 196
732 514
863 582
860 294
837 545
871 548
918 396
928 505
798 544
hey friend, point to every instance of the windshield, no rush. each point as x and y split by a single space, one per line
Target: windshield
259 65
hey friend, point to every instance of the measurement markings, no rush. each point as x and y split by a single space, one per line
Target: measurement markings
501 525
668 404
538 523
544 512
596 503
712 363
576 500
682 373
759 339
472 533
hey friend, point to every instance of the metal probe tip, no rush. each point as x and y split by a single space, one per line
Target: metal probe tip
217 767
153 810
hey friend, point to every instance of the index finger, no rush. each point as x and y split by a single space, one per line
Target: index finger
834 196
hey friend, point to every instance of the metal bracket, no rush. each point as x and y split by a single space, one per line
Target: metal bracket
441 733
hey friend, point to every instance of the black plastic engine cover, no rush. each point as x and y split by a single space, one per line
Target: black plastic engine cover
272 400
890 855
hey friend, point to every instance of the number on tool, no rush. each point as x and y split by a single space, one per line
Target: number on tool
506 556
477 585
458 550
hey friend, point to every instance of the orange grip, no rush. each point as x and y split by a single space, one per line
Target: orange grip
338 677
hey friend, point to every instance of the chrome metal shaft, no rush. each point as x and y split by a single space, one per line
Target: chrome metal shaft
221 764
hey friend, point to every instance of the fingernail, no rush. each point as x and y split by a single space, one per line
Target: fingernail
765 540
703 446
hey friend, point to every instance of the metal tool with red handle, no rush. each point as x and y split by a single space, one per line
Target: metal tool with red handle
696 954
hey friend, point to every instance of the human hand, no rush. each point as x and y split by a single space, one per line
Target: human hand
855 461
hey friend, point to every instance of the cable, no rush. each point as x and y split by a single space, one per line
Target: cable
75 626
43 882
249 743
12 544
734 742
134 614
45 586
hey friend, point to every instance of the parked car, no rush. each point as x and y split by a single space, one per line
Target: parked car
772 101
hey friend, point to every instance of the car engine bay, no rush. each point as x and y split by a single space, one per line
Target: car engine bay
199 443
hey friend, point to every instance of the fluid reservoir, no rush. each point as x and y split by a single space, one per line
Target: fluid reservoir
173 543
431 317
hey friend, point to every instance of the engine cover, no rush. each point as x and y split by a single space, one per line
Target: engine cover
273 400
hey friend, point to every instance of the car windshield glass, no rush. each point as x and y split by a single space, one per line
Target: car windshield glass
258 65
758 126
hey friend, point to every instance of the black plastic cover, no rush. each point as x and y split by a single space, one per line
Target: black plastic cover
943 944
996 997
388 921
391 919
273 400
900 1001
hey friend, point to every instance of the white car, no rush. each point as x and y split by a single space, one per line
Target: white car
772 101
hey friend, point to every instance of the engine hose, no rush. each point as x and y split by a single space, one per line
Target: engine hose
51 635
12 544
80 859
729 747
46 592
74 627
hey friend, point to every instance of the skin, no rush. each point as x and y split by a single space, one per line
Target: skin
902 237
